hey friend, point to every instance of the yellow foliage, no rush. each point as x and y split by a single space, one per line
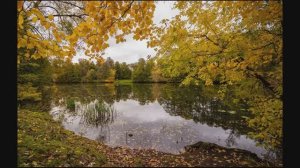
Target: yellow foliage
21 42
21 21
20 5
49 38
228 42
50 17
34 19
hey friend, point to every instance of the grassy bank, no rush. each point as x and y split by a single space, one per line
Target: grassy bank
93 81
43 142
124 81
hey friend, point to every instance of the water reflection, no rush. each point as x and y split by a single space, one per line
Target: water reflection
164 117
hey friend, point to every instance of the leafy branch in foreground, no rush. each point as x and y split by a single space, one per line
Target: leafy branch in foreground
229 43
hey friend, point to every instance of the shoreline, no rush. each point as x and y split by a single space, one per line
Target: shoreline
41 139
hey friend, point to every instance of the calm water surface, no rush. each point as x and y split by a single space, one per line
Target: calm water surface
164 117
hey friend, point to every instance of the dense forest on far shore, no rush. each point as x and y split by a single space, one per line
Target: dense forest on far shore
45 71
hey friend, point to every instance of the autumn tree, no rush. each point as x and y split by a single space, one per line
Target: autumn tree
31 75
60 28
139 73
125 71
70 73
122 71
229 43
84 66
106 71
157 75
118 70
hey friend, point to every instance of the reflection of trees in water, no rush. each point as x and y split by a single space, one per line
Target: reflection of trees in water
267 112
83 93
123 92
200 105
230 141
143 93
43 105
195 103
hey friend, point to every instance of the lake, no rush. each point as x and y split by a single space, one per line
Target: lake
164 117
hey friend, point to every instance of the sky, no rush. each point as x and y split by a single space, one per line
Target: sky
131 50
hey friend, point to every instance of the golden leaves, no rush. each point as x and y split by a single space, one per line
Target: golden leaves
34 19
57 35
20 21
105 37
228 43
21 42
51 17
48 37
120 38
20 5
105 45
211 67
36 12
208 82
47 25
214 37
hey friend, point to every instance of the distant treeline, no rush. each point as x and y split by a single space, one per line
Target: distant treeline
43 71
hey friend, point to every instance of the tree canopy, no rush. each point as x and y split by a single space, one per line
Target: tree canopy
230 43
60 28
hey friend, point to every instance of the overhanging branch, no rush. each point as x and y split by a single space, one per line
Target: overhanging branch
78 16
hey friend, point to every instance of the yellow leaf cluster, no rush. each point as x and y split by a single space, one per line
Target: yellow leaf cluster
100 20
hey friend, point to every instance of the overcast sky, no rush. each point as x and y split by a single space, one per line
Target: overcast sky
131 50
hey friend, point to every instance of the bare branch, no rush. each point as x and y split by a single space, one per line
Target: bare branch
46 6
261 78
261 47
78 16
273 33
205 53
37 31
66 2
206 37
129 6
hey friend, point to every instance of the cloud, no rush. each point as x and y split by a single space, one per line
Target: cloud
164 10
131 50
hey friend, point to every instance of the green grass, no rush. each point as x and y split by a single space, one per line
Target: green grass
123 81
43 142
71 104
